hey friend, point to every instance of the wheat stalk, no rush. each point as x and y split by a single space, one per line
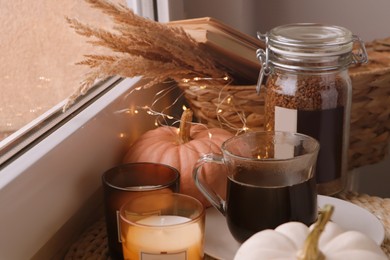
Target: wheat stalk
141 47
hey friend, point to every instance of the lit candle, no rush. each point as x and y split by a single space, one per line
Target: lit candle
164 237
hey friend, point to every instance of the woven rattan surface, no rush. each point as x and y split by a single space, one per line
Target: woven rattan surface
92 244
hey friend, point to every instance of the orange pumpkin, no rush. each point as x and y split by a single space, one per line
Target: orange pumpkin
181 148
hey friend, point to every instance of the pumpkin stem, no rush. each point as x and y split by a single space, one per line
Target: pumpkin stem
311 249
185 126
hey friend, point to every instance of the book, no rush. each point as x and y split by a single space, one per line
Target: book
234 50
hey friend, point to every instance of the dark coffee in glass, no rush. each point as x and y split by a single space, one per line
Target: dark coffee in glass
270 181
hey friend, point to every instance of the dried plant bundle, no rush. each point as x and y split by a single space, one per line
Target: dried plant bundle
141 47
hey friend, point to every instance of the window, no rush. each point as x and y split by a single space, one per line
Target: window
39 51
50 173
39 55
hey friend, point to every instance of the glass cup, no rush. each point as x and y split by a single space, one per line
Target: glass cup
164 227
270 181
129 181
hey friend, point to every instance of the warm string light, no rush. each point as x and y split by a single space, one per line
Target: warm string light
135 109
224 104
152 112
162 118
229 101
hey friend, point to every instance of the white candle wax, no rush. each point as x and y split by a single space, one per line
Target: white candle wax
164 235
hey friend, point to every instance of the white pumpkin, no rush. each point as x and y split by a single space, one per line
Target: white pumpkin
323 240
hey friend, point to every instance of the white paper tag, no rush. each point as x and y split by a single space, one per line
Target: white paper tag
285 120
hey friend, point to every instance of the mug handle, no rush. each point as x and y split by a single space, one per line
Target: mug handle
203 187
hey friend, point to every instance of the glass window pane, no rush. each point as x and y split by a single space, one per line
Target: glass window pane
38 53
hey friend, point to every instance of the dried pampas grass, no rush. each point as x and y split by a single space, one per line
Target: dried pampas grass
141 47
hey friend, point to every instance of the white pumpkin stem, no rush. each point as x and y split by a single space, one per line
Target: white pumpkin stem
185 126
311 249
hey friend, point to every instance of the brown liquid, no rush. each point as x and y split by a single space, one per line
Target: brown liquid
252 208
327 127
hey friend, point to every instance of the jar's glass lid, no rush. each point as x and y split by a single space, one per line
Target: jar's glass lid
310 34
309 46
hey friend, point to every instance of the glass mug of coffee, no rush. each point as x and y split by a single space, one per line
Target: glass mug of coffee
270 181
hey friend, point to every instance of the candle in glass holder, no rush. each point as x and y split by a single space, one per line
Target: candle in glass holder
171 228
126 182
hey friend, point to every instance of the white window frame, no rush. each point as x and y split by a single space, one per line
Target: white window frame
160 10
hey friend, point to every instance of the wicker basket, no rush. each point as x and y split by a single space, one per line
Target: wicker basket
237 107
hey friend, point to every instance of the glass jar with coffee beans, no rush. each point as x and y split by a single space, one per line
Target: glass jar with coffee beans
308 90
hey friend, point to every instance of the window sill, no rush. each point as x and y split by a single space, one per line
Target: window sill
55 184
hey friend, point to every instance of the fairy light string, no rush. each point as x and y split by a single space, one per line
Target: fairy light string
164 117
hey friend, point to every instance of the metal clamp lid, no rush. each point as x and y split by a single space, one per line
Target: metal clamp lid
263 57
358 55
